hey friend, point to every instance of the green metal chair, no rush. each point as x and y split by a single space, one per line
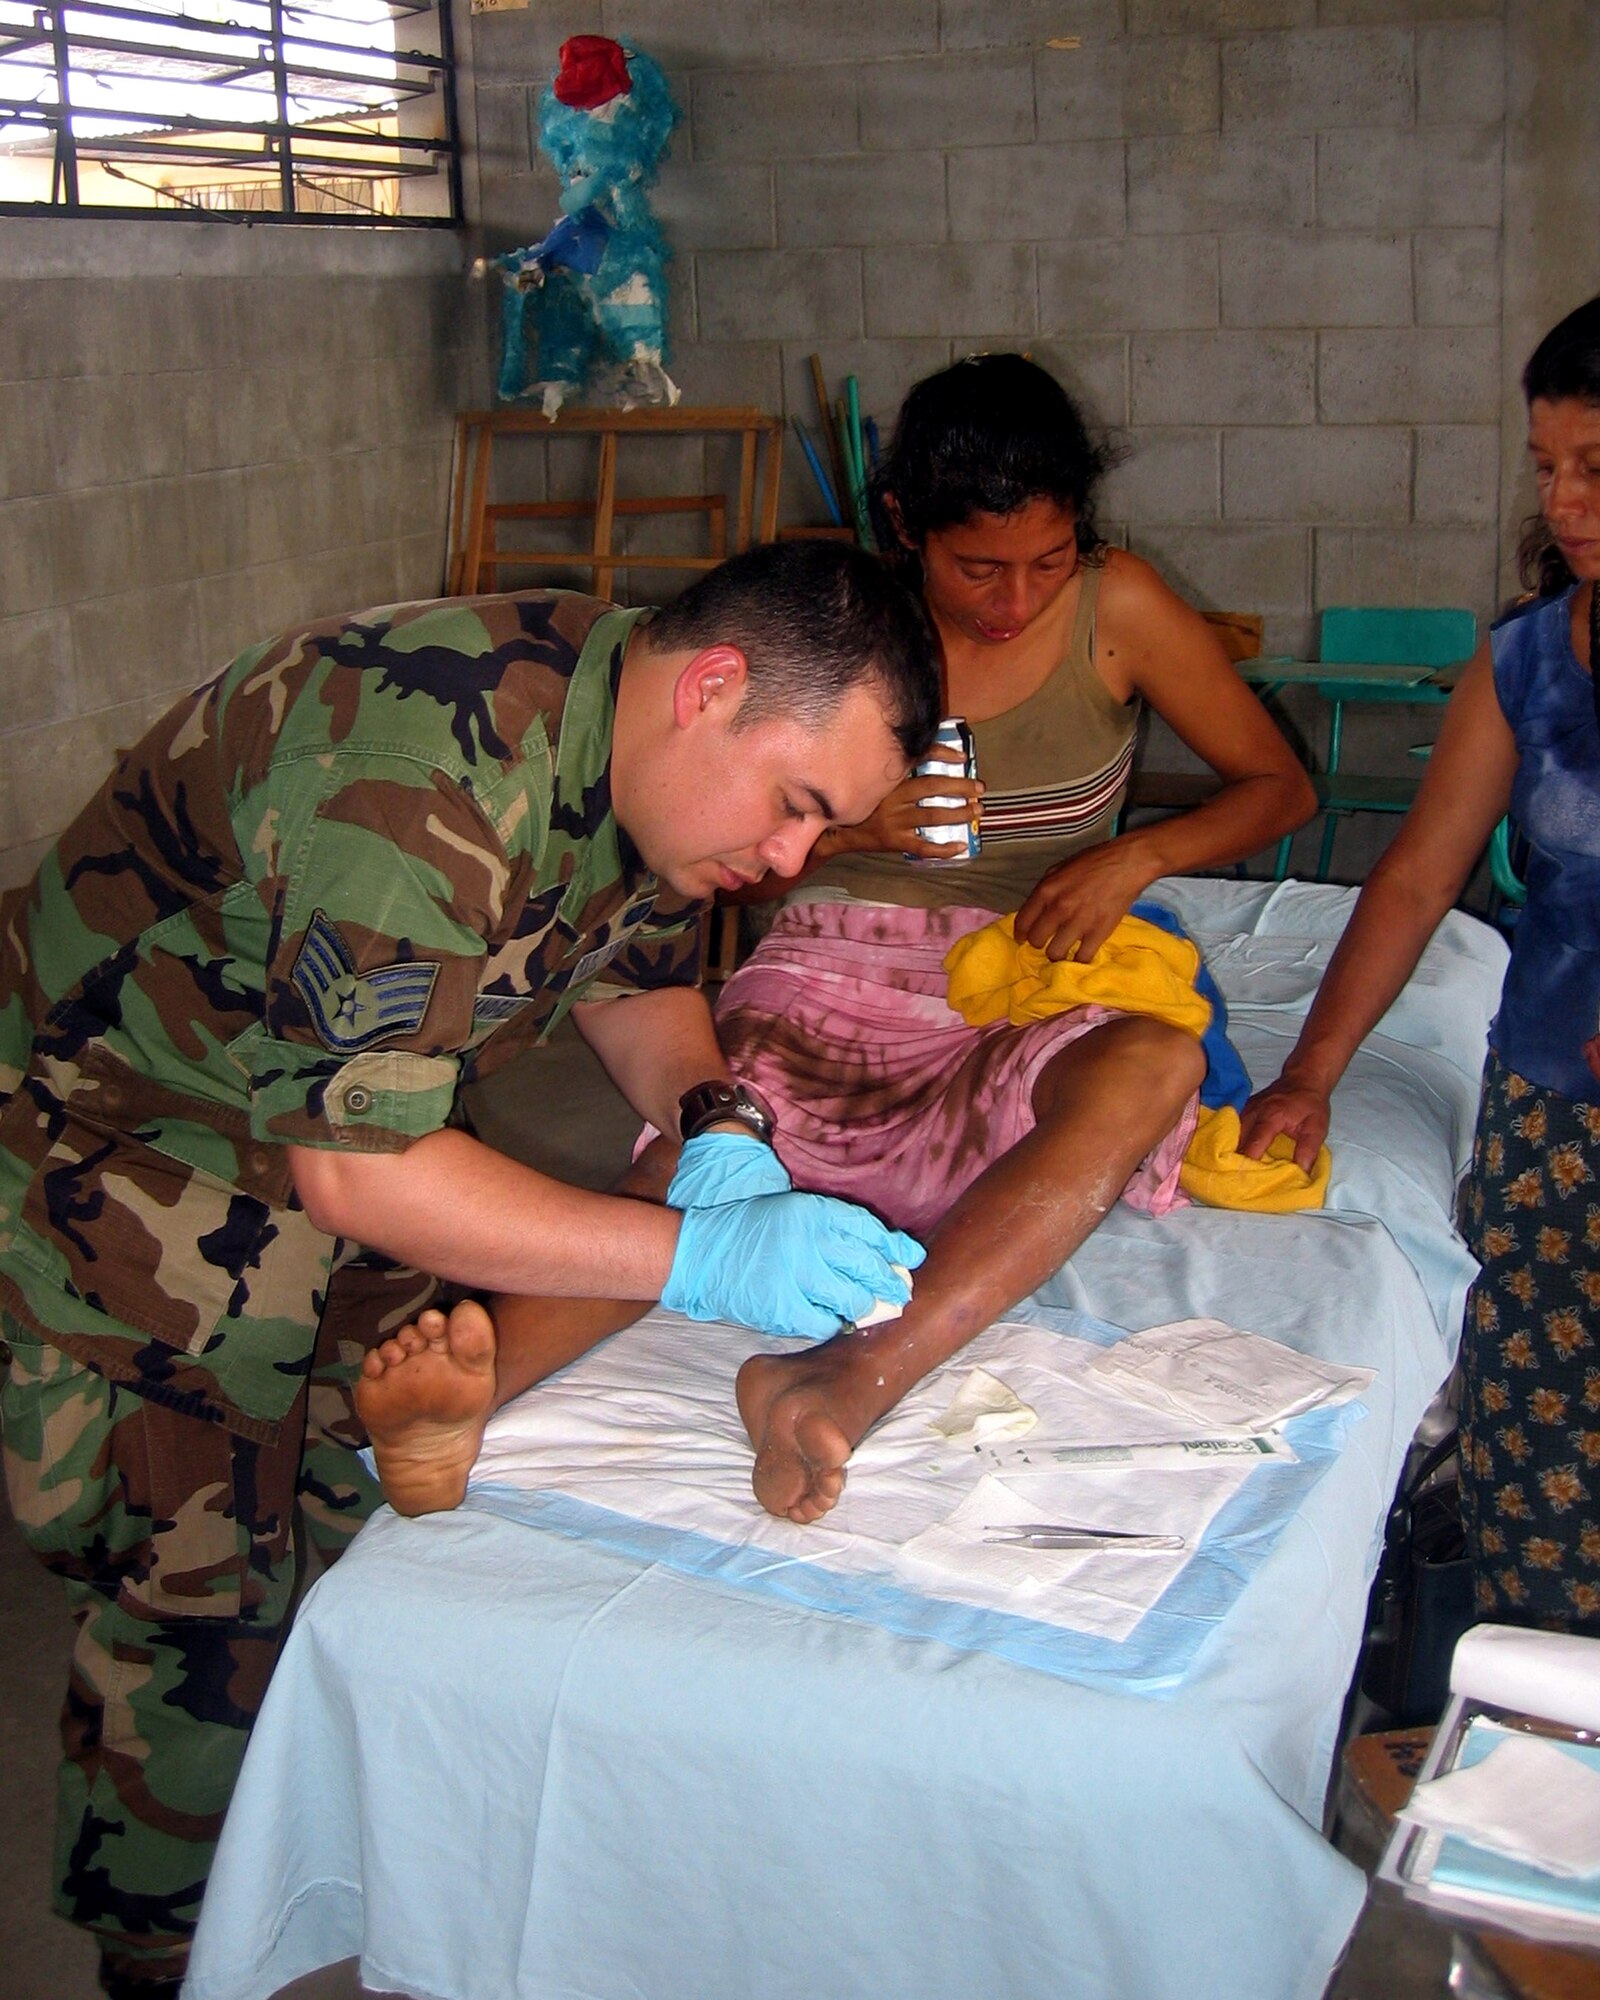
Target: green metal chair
1388 635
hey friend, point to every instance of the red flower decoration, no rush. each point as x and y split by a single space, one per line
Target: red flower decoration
594 69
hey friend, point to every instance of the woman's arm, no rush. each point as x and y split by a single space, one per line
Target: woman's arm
1153 644
1466 789
1148 642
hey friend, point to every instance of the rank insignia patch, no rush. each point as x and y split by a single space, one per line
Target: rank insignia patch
349 1009
498 1007
593 961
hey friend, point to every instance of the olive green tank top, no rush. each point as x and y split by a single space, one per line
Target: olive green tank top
1055 770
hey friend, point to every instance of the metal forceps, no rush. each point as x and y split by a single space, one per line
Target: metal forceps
1064 1535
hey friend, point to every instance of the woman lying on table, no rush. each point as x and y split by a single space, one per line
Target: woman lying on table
1521 735
1004 1146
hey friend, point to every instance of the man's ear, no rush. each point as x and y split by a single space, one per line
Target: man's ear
713 680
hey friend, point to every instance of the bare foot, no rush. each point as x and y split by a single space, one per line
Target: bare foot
804 1421
425 1395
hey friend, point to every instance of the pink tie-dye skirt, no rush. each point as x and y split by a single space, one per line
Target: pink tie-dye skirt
884 1095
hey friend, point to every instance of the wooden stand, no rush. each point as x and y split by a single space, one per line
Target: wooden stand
476 556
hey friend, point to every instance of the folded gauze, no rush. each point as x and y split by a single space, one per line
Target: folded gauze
984 1411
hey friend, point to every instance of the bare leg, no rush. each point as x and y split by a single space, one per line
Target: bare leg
426 1393
1101 1105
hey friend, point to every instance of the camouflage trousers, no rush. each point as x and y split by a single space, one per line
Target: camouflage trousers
177 1543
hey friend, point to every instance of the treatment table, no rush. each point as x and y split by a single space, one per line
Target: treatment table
503 1759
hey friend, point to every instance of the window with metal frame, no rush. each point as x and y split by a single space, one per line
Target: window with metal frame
272 110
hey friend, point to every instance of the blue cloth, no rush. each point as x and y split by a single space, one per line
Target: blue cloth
577 243
1225 1080
1551 1005
498 1763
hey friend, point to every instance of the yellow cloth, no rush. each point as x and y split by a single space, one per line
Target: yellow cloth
1140 969
1216 1172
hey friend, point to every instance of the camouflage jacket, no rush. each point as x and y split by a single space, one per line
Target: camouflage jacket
371 860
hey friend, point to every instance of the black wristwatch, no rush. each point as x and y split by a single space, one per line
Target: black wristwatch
717 1103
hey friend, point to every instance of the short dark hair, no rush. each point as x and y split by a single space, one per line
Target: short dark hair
813 619
986 436
1565 364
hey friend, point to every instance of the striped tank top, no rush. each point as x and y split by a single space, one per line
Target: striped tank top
1055 770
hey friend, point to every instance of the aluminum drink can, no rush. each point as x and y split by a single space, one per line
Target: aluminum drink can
954 754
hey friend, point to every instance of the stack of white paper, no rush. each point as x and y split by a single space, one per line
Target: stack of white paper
1216 1376
1527 1799
1509 1835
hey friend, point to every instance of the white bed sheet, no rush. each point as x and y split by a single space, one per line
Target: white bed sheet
498 1761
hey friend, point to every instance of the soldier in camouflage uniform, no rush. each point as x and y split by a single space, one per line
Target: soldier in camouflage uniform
371 861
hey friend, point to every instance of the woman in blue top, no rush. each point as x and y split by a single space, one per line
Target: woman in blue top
1521 734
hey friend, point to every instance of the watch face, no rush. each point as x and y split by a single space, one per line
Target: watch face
753 1100
709 1102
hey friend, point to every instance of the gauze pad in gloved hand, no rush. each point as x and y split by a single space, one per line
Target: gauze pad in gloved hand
793 1264
886 1309
719 1167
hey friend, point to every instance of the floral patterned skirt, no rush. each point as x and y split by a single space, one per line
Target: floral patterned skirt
1530 1362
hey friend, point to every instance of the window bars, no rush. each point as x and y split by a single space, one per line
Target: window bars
275 110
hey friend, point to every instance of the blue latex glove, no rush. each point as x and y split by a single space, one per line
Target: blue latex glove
719 1167
787 1263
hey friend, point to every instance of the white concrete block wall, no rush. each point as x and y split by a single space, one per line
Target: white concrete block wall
1291 251
1262 238
1267 240
206 432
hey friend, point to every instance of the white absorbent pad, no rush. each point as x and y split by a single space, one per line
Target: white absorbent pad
646 1427
1218 1377
1526 1798
1108 1588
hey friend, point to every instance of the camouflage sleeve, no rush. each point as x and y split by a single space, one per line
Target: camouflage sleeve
384 890
667 954
16 1023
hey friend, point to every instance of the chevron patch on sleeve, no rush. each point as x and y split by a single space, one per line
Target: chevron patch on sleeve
352 1010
